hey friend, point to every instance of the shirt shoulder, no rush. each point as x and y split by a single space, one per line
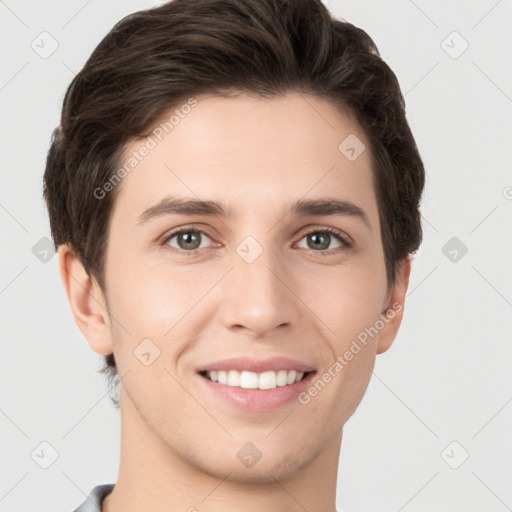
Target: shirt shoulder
95 498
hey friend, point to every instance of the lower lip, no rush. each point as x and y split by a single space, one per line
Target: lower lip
258 399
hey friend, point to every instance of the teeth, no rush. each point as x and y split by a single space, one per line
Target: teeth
282 378
252 380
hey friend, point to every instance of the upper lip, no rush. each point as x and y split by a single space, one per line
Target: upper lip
258 366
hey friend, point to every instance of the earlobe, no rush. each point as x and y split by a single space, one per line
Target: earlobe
87 301
394 309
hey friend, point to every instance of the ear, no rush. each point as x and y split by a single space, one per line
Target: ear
87 301
393 308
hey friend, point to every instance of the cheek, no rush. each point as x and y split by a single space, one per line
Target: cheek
158 303
349 308
148 297
150 310
349 302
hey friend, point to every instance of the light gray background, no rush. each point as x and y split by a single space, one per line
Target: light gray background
446 378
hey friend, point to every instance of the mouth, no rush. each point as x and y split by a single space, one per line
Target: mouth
253 380
256 392
256 385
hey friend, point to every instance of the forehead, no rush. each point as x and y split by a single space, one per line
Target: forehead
252 152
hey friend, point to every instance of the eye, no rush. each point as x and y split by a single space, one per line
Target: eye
188 240
320 239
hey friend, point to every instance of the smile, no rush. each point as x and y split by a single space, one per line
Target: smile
253 380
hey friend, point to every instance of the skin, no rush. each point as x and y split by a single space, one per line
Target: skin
179 442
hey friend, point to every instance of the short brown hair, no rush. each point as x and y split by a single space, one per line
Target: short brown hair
151 60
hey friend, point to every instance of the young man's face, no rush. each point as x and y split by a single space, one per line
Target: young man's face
259 284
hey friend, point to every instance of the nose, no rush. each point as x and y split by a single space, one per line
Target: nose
258 296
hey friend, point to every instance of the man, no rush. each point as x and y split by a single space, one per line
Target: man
234 193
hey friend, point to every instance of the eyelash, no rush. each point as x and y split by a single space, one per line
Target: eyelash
343 239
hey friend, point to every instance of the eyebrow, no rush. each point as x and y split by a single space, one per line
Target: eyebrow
301 208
